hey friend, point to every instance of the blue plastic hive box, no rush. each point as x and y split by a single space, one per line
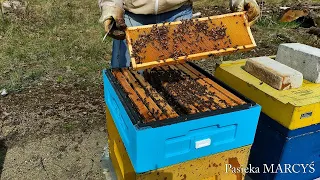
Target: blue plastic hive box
163 143
275 144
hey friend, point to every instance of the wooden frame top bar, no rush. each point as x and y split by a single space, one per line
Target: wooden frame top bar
156 98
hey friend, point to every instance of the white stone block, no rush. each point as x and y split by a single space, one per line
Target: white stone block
303 58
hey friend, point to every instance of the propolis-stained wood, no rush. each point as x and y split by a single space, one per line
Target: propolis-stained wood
171 91
167 43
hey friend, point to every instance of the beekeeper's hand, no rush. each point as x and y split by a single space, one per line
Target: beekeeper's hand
251 6
113 14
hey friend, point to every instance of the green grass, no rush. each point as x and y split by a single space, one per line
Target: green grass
272 22
61 41
68 126
53 39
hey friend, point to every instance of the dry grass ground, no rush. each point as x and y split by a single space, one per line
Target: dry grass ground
52 121
51 57
55 40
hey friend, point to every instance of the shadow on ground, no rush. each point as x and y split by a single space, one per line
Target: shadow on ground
3 152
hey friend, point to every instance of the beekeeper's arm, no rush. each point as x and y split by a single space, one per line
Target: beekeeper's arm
112 11
251 6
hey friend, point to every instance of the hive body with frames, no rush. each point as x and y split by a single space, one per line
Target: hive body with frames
174 111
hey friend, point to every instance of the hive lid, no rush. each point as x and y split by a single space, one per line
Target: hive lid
307 94
169 43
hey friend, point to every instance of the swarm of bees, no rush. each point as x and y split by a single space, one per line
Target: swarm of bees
181 40
183 89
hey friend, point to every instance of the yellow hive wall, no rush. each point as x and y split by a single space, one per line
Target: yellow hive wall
286 107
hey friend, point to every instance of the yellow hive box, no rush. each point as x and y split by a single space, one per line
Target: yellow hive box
207 168
294 108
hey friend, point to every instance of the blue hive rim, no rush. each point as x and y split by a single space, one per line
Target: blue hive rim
136 119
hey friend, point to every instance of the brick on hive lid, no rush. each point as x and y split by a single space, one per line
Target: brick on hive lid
273 73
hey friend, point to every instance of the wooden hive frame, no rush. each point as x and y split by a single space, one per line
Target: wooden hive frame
238 39
152 106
